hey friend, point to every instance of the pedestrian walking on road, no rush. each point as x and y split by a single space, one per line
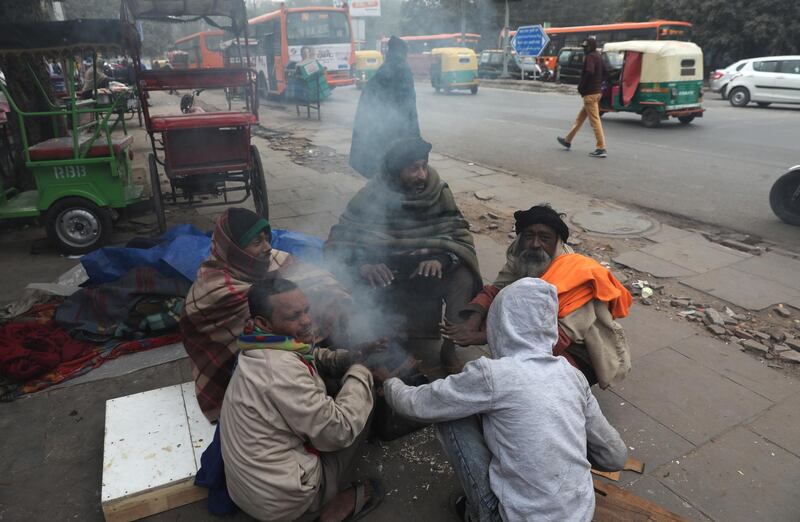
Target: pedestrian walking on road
387 111
590 89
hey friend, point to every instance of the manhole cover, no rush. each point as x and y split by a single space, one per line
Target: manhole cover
612 222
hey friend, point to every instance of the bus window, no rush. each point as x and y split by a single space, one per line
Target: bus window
213 42
310 28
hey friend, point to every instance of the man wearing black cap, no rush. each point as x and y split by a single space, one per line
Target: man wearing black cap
404 233
590 89
387 111
590 297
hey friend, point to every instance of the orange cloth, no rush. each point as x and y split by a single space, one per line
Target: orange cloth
579 279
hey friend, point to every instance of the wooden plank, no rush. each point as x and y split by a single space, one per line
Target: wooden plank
610 475
617 505
152 502
631 464
637 466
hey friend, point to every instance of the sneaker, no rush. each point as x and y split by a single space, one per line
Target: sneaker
564 142
598 153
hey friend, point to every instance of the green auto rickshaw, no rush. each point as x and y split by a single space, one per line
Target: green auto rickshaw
454 68
657 79
83 175
367 64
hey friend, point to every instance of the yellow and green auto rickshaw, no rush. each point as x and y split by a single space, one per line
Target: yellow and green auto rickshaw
367 64
454 68
657 79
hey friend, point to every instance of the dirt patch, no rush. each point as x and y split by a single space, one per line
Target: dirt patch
302 151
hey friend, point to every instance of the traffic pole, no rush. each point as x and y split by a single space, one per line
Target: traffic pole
505 42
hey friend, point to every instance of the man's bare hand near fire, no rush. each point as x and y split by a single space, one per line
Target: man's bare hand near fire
467 333
362 352
377 275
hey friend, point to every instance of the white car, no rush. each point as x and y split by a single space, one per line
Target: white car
718 82
772 79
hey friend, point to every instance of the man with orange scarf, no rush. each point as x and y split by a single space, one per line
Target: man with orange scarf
590 298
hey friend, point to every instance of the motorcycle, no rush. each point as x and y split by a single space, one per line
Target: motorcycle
784 197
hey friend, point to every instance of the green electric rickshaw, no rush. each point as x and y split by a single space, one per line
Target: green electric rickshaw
83 175
657 79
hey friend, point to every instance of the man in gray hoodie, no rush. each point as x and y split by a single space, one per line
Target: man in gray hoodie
524 427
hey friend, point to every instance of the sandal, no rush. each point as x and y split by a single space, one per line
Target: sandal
363 506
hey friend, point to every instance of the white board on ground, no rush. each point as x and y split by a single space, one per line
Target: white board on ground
200 430
148 443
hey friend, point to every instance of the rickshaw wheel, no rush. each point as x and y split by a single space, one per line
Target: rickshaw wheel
686 120
158 202
258 185
77 226
139 114
474 89
651 118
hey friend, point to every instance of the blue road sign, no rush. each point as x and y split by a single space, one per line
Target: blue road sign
530 40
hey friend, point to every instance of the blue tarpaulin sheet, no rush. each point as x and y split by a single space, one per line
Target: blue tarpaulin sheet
181 250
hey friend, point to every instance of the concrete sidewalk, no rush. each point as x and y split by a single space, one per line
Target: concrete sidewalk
702 414
717 427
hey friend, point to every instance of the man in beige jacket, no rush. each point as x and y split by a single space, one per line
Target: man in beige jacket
286 444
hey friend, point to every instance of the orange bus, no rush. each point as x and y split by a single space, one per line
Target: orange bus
283 34
203 49
419 48
573 36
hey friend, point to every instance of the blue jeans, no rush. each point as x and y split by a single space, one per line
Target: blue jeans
462 440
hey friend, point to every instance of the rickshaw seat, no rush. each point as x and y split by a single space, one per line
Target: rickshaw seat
202 120
61 148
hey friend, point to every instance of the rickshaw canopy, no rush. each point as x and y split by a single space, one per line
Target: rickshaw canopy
368 59
664 60
456 58
171 9
69 36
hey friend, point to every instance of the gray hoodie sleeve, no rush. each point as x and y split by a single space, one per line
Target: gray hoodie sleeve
606 450
458 396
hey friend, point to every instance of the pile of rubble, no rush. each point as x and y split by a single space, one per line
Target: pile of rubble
766 340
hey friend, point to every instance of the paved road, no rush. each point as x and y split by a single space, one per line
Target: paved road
717 170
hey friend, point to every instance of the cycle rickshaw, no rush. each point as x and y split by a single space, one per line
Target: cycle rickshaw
202 153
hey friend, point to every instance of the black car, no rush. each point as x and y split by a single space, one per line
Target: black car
490 65
569 65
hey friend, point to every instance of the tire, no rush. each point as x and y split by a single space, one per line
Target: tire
139 114
739 97
723 93
784 198
258 185
76 226
158 198
651 118
686 120
228 97
763 104
474 89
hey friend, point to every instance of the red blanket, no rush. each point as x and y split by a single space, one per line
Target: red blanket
30 349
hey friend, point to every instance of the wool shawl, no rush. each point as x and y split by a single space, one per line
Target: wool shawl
216 312
382 220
